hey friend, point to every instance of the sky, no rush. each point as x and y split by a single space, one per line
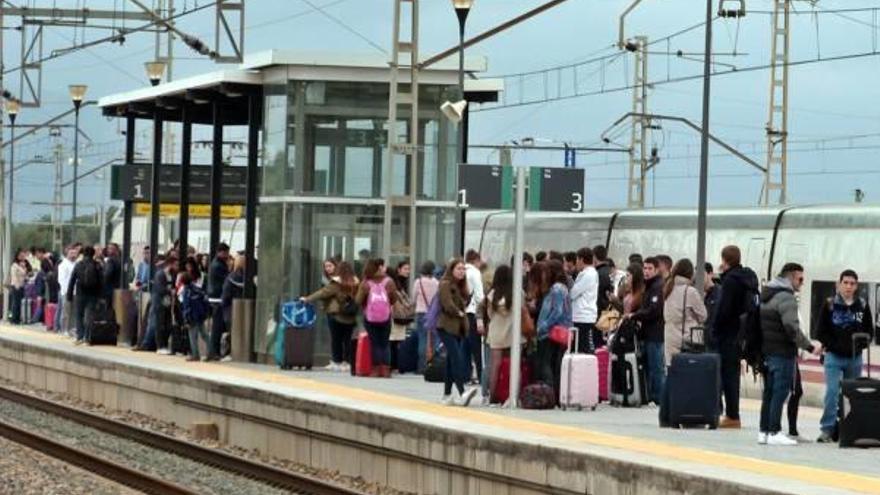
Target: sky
834 124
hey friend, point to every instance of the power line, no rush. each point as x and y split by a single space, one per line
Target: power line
345 26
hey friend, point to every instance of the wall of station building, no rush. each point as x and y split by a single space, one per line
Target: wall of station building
324 155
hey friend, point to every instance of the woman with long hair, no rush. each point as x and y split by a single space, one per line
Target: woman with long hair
328 269
635 288
338 300
499 312
18 275
555 311
402 305
537 283
376 296
424 290
452 326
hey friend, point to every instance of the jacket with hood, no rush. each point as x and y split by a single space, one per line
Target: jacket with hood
334 296
735 283
838 321
682 311
584 296
780 324
650 312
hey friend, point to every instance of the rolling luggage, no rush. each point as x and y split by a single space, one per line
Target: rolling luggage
537 395
363 355
27 309
579 378
299 346
103 329
502 383
602 357
859 406
693 386
49 316
408 354
626 369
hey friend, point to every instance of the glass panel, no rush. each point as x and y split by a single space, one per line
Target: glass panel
274 136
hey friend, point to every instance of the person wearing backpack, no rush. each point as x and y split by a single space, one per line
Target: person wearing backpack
338 297
739 293
195 309
376 295
781 339
85 282
841 316
452 327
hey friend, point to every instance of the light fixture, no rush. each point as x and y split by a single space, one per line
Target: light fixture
12 108
462 4
155 71
77 93
454 111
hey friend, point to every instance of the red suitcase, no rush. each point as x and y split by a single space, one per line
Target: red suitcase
502 384
49 315
602 356
363 356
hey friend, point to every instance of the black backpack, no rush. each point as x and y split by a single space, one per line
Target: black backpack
750 336
91 278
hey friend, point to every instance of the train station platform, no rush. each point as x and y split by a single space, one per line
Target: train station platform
395 431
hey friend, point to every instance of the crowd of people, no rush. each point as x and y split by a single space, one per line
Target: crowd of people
577 289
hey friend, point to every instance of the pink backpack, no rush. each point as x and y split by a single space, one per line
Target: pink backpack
378 309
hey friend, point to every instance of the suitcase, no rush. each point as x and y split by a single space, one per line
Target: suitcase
693 385
299 347
859 407
408 354
26 310
602 357
537 395
502 383
626 373
579 378
49 316
363 355
103 329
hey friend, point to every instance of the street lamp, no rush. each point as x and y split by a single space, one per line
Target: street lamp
12 108
155 71
454 111
77 94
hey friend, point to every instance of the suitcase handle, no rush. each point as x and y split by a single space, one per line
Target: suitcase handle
573 331
867 338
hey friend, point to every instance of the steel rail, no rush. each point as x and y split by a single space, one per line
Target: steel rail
92 463
227 462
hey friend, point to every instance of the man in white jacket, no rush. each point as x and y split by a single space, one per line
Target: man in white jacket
63 320
584 294
475 285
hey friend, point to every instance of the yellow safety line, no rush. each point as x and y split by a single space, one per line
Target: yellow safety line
809 475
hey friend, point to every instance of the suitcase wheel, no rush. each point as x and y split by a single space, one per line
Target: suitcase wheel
593 408
676 426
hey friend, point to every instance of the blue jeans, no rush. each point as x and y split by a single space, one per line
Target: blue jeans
456 366
195 330
778 380
379 348
656 370
149 341
59 311
836 368
218 326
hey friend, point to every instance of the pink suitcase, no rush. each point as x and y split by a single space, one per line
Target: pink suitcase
579 383
603 357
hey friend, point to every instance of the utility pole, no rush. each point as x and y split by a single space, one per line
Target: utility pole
58 199
638 158
776 177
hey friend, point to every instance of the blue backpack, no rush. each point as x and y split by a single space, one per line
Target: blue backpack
196 307
298 314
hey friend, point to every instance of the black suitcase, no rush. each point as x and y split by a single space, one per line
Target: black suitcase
103 327
859 407
299 347
693 387
408 354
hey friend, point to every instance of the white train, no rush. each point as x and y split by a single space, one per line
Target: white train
825 239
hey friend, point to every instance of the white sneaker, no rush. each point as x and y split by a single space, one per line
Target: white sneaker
781 440
447 400
331 367
164 352
468 396
345 367
762 438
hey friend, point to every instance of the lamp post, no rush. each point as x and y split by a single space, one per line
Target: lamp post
155 71
77 94
462 9
12 108
700 279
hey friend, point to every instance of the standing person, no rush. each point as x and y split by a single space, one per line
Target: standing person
376 296
650 315
683 309
233 288
604 270
112 272
570 264
142 276
781 340
474 350
328 269
841 316
555 311
739 287
65 310
161 294
402 308
712 288
195 310
18 275
664 265
424 291
584 308
452 326
633 289
85 282
500 313
338 298
217 273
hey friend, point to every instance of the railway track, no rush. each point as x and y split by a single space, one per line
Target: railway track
279 478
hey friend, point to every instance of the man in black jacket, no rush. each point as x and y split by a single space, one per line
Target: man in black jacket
650 315
86 283
604 268
739 286
112 272
841 316
217 273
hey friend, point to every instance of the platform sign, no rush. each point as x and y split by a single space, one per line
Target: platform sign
195 211
556 189
488 187
570 157
132 182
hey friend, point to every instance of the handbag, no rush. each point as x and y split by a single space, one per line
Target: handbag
690 345
403 312
608 320
560 335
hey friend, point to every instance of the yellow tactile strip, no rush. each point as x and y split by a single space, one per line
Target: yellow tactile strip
810 475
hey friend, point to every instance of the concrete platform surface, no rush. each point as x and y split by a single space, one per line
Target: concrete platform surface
629 435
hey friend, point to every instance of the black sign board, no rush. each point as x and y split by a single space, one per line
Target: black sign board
132 182
485 187
556 189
